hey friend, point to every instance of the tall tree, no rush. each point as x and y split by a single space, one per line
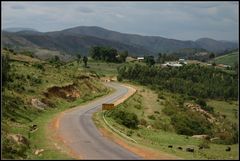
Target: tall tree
211 56
79 58
149 60
85 60
5 69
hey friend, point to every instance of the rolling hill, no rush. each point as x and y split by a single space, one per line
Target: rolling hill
228 59
82 38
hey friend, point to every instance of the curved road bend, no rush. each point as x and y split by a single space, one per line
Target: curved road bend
81 135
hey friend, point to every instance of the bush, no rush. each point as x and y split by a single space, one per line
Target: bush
157 112
152 117
39 66
12 150
208 108
204 144
143 122
138 107
190 124
161 96
129 133
119 78
201 102
125 118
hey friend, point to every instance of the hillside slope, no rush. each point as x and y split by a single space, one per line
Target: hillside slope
33 92
80 39
228 59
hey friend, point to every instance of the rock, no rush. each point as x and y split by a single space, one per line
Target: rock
38 104
33 128
149 127
19 139
200 136
38 151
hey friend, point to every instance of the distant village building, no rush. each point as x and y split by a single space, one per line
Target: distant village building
182 61
172 64
140 58
224 66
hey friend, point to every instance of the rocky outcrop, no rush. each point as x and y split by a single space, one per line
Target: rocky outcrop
69 92
195 107
19 139
38 104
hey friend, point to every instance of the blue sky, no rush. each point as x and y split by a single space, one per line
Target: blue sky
178 20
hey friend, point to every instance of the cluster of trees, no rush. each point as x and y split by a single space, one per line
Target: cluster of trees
80 59
108 54
193 80
162 58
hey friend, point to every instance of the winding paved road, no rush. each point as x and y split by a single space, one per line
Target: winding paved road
81 135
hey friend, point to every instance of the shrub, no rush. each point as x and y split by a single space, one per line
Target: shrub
129 133
119 78
204 144
138 107
152 117
125 118
161 96
208 108
143 122
157 112
190 124
201 102
39 66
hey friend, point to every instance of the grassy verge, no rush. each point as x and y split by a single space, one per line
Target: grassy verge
41 139
30 78
156 131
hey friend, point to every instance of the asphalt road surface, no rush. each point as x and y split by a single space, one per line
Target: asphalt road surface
77 129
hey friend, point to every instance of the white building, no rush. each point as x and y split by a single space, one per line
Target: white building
140 58
182 61
172 64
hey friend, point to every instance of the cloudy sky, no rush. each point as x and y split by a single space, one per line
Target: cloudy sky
179 20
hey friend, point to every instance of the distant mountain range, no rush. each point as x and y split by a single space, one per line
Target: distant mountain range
81 39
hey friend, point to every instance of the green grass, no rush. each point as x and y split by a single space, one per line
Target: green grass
103 68
230 109
228 59
24 74
160 136
40 139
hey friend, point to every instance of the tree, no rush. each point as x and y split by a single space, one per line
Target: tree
56 58
149 60
85 60
79 58
236 67
123 56
5 69
211 56
159 58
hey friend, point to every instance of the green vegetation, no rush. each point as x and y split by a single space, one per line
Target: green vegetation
108 54
123 117
192 80
149 60
56 85
162 58
171 116
228 59
102 68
